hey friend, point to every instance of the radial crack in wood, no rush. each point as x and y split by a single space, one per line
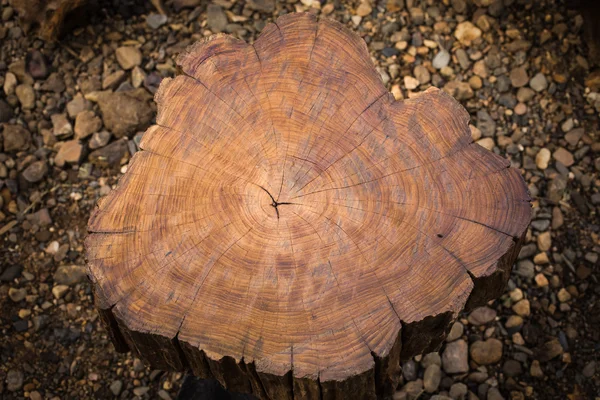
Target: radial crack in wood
292 231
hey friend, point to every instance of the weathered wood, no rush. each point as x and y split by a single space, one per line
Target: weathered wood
292 231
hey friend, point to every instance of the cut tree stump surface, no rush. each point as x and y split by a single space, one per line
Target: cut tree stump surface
293 231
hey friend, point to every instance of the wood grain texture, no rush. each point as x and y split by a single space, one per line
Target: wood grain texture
291 230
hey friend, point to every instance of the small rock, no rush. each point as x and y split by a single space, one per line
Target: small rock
14 380
77 105
466 33
16 295
522 308
455 332
542 158
432 378
441 59
363 9
563 295
544 241
70 275
486 143
216 18
155 21
26 96
128 57
564 157
99 139
70 152
589 370
486 352
141 390
37 65
458 391
417 15
86 124
36 171
112 81
59 291
486 123
494 394
538 82
110 155
61 125
459 90
422 74
536 369
572 137
455 358
525 94
137 77
481 316
512 368
125 113
519 77
116 387
411 83
16 138
10 83
11 273
267 6
549 350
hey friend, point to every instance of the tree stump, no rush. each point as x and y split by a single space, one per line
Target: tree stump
293 231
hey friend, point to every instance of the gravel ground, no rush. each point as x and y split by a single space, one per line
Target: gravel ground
71 115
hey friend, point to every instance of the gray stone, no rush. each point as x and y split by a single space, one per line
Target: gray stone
216 18
441 59
110 155
99 139
538 82
482 316
455 358
77 105
486 123
116 387
36 171
155 21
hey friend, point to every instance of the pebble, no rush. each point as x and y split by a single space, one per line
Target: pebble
14 380
16 295
432 378
466 33
411 83
86 124
99 139
522 308
70 152
59 291
37 65
455 358
441 59
542 158
574 136
564 157
216 18
486 143
10 83
538 82
481 316
486 352
363 9
155 21
36 171
455 332
519 77
15 138
26 96
128 57
116 387
70 275
125 113
61 126
563 295
544 241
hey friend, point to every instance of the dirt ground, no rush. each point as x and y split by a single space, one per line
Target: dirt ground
520 67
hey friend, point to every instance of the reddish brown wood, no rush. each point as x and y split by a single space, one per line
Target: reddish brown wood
291 230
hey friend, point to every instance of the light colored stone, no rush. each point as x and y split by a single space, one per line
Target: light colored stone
26 96
522 308
455 358
539 82
486 143
542 159
564 157
128 57
544 241
411 83
466 33
363 9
